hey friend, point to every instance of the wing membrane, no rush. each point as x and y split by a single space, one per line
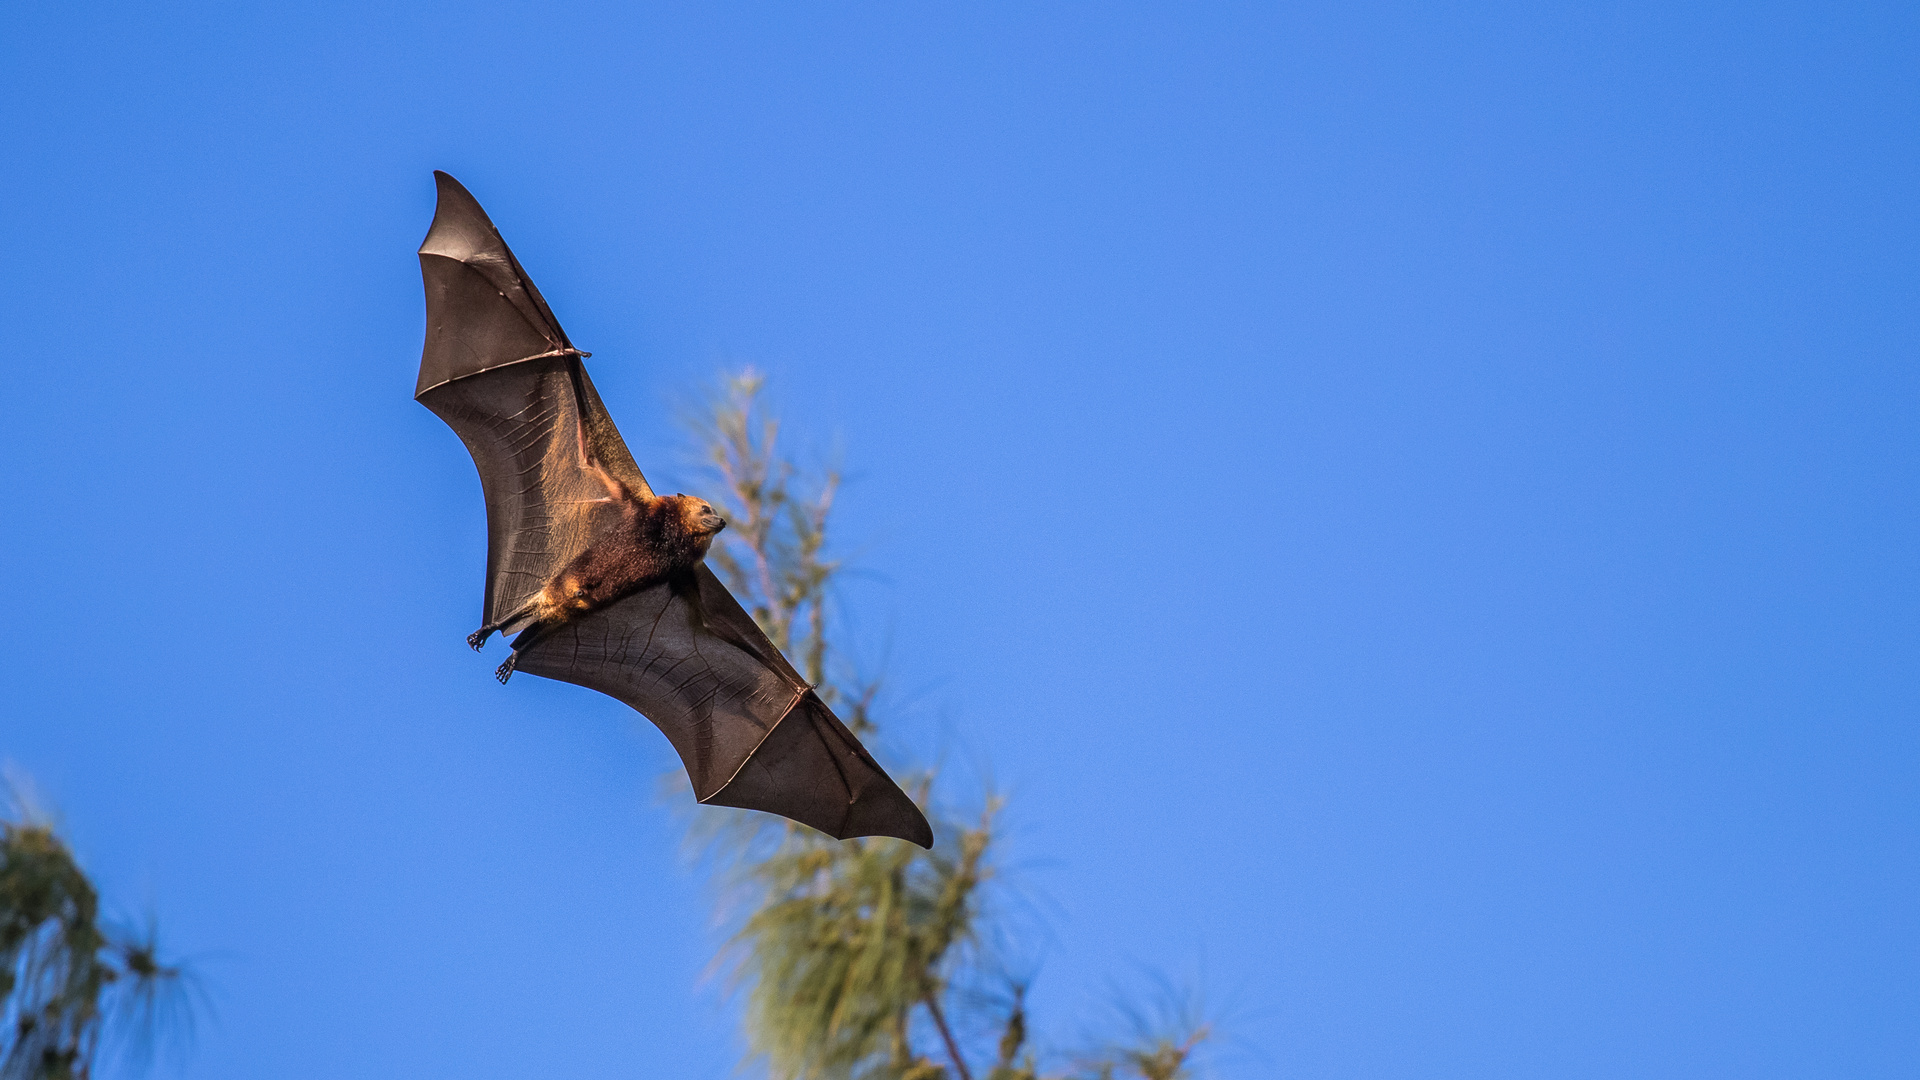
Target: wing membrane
750 732
522 426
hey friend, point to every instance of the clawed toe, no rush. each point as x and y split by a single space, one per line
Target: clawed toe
504 671
478 639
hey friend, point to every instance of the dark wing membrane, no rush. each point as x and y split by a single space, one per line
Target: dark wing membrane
500 371
522 425
750 731
482 310
484 313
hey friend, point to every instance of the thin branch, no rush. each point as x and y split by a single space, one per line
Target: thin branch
946 1035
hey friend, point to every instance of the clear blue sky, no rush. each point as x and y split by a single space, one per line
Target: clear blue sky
1416 503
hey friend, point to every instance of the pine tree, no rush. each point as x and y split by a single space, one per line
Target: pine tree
66 977
855 954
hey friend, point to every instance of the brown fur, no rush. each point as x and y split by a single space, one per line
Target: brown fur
656 539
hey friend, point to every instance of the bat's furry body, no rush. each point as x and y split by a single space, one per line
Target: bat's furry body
603 581
656 540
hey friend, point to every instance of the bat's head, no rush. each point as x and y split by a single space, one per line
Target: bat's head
697 516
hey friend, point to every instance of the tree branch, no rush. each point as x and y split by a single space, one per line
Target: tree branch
946 1036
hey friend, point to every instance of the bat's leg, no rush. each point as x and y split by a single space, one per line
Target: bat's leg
479 637
525 641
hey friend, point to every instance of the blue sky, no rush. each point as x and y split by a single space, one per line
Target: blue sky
1414 503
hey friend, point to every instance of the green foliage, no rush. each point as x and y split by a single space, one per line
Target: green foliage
63 975
772 554
851 952
847 940
1155 1056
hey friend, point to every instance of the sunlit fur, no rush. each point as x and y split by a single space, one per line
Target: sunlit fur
656 539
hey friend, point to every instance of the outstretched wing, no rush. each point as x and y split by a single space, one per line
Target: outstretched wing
501 372
749 729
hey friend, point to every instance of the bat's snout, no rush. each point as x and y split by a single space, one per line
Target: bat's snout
713 523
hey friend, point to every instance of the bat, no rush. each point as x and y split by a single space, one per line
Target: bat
603 581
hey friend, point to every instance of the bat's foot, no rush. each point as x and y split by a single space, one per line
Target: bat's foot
505 671
479 637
